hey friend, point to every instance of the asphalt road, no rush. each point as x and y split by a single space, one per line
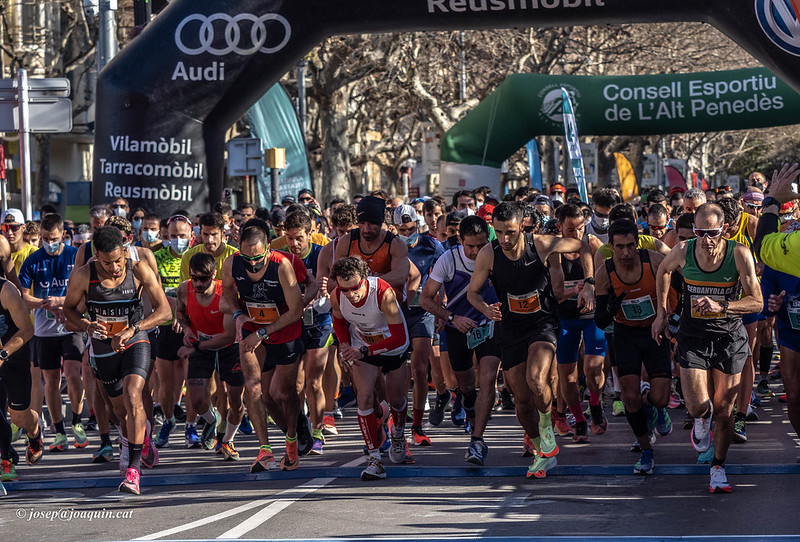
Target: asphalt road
193 494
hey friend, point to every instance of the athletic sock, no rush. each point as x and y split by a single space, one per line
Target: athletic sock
718 462
173 422
222 426
544 420
230 432
105 439
470 398
594 398
60 427
577 412
135 451
5 438
209 416
476 439
399 416
76 419
765 361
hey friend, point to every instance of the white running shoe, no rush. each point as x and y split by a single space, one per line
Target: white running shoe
719 482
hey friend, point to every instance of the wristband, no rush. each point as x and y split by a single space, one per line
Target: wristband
725 306
768 201
237 314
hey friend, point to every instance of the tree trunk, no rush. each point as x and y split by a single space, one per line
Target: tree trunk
41 183
335 154
637 158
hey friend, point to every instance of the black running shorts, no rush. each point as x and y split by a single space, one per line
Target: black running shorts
725 353
634 346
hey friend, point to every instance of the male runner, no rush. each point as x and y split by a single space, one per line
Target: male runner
529 326
211 337
711 336
626 294
111 288
260 286
44 277
12 222
423 251
468 331
373 339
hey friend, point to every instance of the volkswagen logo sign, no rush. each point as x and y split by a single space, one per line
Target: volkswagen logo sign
779 22
221 34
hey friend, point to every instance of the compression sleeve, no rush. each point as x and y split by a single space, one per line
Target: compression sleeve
342 330
396 340
602 316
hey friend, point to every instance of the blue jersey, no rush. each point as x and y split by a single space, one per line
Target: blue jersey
788 317
423 255
310 261
47 276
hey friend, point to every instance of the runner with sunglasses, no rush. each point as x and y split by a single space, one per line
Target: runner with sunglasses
711 337
12 225
210 344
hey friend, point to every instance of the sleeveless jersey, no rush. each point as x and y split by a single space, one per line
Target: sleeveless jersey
264 300
7 326
456 288
379 261
573 275
742 235
118 308
320 318
638 307
524 290
169 269
720 285
367 322
207 321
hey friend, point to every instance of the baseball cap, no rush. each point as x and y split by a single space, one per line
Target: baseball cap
676 190
404 214
455 218
486 211
491 199
12 215
288 198
309 191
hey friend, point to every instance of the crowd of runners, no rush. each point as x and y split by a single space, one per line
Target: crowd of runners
241 320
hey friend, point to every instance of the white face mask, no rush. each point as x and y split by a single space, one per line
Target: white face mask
557 197
600 223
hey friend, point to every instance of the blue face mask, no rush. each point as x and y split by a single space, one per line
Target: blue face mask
52 248
165 243
196 230
149 236
411 239
179 245
137 224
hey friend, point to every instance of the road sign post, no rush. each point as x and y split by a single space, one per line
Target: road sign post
24 144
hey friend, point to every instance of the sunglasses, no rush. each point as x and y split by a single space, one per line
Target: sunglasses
252 258
352 288
119 206
306 200
177 218
754 205
200 278
10 227
710 233
657 228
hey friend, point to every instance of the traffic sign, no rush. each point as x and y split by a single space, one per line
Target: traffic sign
56 87
245 157
46 116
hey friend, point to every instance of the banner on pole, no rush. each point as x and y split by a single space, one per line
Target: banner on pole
534 164
573 145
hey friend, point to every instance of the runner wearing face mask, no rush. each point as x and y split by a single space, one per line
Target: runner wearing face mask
557 192
150 233
602 200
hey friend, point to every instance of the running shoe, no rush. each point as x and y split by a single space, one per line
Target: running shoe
754 399
8 473
3 492
91 423
581 433
190 437
645 463
229 452
291 459
103 455
60 443
179 413
337 411
476 453
131 482
16 432
245 427
763 389
705 458
33 457
782 398
420 438
264 461
305 440
651 437
663 422
507 401
739 429
209 436
751 414
158 414
540 466
617 408
397 450
162 440
79 436
347 398
549 448
701 433
458 415
719 482
599 420
316 448
329 426
149 452
374 470
562 427
436 414
528 449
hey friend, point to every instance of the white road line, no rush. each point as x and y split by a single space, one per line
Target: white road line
355 462
264 515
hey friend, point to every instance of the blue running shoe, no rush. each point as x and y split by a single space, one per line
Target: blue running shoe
163 435
192 440
436 414
347 398
663 422
645 463
477 452
245 427
458 415
706 457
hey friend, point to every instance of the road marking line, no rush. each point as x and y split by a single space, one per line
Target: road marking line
267 513
206 521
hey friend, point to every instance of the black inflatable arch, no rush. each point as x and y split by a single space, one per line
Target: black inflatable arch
165 103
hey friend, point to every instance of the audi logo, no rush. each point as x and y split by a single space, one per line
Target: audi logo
232 34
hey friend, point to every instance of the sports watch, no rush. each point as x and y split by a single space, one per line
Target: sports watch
262 332
136 327
4 354
364 351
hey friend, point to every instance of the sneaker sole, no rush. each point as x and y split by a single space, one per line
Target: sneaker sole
542 473
694 444
551 453
580 439
642 471
84 445
289 466
124 488
372 477
101 459
477 461
719 489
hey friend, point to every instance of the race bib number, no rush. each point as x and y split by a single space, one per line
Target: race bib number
480 335
308 317
708 315
524 304
262 313
572 284
171 292
414 301
114 324
794 317
638 309
371 336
